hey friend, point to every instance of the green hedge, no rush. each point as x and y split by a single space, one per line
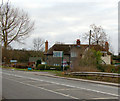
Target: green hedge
40 67
21 66
48 67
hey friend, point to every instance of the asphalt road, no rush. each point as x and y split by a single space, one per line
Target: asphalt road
28 85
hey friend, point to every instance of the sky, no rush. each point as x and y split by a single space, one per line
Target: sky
67 20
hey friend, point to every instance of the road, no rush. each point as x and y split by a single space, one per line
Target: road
27 85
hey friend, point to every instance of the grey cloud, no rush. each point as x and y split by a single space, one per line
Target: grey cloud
57 19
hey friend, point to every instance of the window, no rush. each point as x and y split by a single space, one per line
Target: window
73 54
104 54
57 53
56 65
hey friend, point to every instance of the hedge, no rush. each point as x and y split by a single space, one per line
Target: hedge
109 68
38 62
40 67
21 66
48 67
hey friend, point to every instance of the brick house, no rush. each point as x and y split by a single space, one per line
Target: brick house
68 53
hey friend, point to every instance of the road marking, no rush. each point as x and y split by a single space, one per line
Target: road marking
44 89
64 85
37 84
29 81
104 98
45 85
65 89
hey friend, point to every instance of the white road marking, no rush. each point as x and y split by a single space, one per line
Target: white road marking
65 89
45 84
44 89
104 98
29 81
104 86
64 85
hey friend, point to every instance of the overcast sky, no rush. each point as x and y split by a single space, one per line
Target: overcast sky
66 20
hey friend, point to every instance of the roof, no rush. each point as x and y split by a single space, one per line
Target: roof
34 59
66 48
60 47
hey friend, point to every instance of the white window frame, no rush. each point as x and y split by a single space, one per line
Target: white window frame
57 53
73 54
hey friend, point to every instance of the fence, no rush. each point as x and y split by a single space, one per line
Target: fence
103 74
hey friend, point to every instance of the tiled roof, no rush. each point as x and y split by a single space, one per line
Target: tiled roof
66 48
59 47
34 59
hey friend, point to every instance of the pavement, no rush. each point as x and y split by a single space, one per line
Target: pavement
39 85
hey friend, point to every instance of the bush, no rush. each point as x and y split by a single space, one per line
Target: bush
66 68
108 68
48 67
101 68
112 69
41 67
21 66
53 67
38 62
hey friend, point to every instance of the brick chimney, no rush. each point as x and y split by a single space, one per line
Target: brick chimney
46 46
106 46
78 42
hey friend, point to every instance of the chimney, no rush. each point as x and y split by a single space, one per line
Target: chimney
78 42
46 46
106 46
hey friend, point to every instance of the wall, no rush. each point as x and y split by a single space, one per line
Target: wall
56 60
106 59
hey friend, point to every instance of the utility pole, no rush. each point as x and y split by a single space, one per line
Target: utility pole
2 2
62 62
1 40
0 55
90 38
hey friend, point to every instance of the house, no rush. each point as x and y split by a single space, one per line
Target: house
33 60
67 53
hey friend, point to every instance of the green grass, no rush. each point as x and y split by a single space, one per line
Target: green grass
8 67
20 69
13 68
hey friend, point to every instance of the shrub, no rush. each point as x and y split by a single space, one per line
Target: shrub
41 67
66 68
101 68
48 67
112 69
108 68
38 62
53 67
21 66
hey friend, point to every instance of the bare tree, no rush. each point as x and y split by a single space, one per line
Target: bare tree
38 43
15 25
98 35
